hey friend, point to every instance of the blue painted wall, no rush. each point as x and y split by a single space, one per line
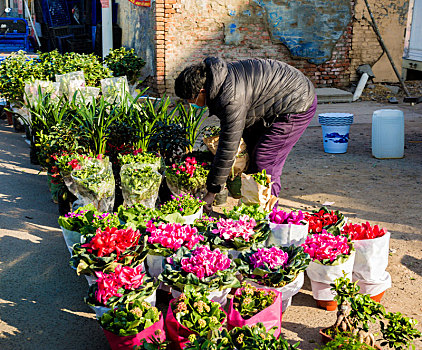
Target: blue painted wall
309 28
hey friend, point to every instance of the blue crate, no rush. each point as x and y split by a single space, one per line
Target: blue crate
55 12
14 34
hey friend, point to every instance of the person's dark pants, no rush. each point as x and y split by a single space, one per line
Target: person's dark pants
269 147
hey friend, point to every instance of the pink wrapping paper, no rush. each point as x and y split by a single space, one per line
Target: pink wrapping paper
270 317
176 331
128 342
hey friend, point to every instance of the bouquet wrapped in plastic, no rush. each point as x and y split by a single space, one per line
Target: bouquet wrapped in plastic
70 82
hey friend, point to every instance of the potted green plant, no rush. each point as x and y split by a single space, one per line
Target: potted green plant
184 209
254 211
192 313
129 325
356 311
137 215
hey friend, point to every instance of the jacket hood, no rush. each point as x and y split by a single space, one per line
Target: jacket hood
216 75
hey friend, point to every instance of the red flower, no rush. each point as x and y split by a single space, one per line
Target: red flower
363 231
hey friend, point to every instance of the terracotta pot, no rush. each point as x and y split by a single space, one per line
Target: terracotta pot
329 305
9 116
377 297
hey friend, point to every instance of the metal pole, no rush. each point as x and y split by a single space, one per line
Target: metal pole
377 32
32 23
107 27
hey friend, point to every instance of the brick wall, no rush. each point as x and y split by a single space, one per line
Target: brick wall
187 31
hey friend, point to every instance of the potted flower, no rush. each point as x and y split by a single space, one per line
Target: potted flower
72 223
182 208
202 268
99 221
331 256
107 249
94 182
372 249
254 211
287 228
137 215
128 325
251 305
140 184
188 177
355 313
237 235
164 240
324 219
192 313
121 286
278 268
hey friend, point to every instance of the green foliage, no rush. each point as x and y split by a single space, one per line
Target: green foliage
81 217
137 215
252 300
194 311
124 61
184 205
399 331
345 342
297 262
183 181
261 178
130 319
254 211
140 182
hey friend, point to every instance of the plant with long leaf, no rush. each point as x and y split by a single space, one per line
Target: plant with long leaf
191 119
95 119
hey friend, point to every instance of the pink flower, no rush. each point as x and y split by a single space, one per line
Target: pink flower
205 262
229 229
273 257
173 236
282 217
326 246
123 277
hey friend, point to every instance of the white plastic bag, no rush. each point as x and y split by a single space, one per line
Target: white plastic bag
322 275
113 89
138 186
154 265
84 95
370 265
71 238
70 82
285 235
288 291
32 90
95 183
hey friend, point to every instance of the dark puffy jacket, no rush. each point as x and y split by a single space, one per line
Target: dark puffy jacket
242 92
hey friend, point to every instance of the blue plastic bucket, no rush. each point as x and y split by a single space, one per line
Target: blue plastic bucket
335 138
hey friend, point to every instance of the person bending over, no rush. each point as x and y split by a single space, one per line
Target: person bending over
268 102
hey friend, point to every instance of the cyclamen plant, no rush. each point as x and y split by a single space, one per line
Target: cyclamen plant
250 300
202 268
237 234
165 239
188 176
272 266
196 312
327 248
324 219
123 285
363 231
282 217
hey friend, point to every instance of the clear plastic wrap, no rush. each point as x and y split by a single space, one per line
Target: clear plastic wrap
199 191
32 90
140 184
84 94
114 89
287 234
70 82
95 183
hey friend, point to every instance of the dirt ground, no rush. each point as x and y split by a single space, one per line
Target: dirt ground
41 298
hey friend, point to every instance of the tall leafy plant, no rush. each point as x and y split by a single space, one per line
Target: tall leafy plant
95 119
124 61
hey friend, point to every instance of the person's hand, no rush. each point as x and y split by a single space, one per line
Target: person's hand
208 199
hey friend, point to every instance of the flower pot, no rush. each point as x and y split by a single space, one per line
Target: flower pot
233 186
270 317
128 342
71 238
329 305
9 117
287 234
378 297
154 265
322 275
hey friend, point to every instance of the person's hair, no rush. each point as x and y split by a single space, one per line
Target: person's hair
190 81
